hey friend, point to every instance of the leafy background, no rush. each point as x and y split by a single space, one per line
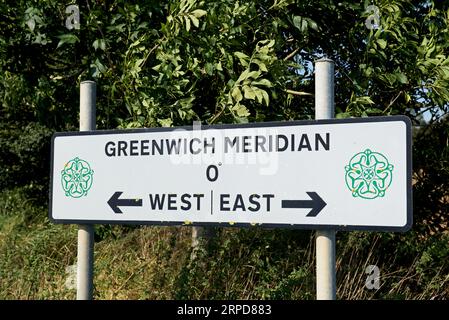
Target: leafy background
168 63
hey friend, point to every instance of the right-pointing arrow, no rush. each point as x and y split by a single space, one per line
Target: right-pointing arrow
316 204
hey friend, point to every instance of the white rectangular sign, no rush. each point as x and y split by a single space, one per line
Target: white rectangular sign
351 174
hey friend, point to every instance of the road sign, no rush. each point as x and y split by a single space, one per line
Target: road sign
350 174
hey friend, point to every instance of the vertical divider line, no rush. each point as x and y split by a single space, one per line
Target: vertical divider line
211 202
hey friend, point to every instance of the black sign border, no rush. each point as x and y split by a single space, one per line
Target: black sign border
396 118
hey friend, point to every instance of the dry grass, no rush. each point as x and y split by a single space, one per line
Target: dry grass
155 262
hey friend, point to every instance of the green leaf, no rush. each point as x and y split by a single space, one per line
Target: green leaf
165 122
243 76
69 38
373 110
241 110
198 13
313 25
249 93
187 23
262 82
253 74
237 94
266 43
261 65
195 20
209 68
243 58
138 63
265 97
300 23
241 55
445 71
391 78
31 23
259 96
368 71
407 97
98 68
382 43
99 44
364 100
41 39
402 78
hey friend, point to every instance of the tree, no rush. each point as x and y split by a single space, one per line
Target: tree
165 64
221 61
168 63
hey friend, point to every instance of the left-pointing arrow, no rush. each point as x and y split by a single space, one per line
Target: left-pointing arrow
114 202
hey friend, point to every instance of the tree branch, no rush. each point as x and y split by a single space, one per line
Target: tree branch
290 55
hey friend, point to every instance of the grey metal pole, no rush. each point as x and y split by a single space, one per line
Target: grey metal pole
85 264
325 239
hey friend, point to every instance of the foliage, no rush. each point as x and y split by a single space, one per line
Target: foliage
33 252
431 178
23 150
159 63
167 63
36 257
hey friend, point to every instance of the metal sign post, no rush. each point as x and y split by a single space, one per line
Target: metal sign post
85 263
325 239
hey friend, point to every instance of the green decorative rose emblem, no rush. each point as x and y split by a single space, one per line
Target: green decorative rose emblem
76 178
368 174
